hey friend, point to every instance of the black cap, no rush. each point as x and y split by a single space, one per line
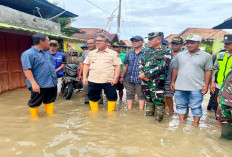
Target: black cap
177 40
227 39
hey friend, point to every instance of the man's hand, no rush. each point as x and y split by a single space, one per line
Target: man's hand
114 81
204 90
85 81
146 79
35 88
218 99
121 80
212 87
80 77
172 86
141 76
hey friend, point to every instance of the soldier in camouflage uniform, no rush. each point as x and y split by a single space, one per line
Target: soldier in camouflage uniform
224 110
153 69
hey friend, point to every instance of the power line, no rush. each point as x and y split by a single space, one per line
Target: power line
129 23
98 7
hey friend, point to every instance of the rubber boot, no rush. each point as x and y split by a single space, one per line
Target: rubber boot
166 104
34 111
111 105
49 108
160 113
93 105
226 131
150 108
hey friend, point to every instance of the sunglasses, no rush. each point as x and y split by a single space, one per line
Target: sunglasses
176 44
53 45
135 40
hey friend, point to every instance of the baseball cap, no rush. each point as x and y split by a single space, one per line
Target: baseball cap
116 44
194 38
227 39
177 40
155 34
54 42
136 38
84 46
165 42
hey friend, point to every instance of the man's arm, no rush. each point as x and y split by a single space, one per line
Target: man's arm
81 65
60 67
85 72
159 69
215 69
124 69
174 76
30 77
116 74
208 74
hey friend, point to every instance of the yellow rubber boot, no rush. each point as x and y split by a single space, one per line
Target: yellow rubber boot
34 111
49 108
93 105
111 105
166 104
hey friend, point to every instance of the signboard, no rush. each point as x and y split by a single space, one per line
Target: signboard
72 46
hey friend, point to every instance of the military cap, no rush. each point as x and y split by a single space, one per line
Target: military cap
155 34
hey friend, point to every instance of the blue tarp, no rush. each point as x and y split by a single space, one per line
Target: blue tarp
46 9
224 25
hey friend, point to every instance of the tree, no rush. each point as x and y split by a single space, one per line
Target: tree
67 30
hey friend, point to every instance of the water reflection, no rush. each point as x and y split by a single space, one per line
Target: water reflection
74 130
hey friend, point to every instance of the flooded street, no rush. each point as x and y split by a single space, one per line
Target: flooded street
75 131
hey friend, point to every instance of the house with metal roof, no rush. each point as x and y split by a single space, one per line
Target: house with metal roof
19 20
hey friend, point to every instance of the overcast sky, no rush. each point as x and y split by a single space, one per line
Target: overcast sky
139 17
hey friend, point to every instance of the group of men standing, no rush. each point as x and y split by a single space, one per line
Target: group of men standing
153 74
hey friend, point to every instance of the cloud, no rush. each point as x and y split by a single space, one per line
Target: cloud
141 17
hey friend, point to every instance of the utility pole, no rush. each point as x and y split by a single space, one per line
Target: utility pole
119 19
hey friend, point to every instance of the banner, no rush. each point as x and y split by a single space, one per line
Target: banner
72 46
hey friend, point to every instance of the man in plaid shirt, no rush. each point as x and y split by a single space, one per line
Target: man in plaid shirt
129 75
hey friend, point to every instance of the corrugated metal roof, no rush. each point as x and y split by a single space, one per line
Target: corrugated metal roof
12 27
46 9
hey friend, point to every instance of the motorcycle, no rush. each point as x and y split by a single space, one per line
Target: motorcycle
70 81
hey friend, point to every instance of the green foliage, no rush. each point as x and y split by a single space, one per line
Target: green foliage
208 47
69 31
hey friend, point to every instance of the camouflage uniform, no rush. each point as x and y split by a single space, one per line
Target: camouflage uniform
154 65
224 111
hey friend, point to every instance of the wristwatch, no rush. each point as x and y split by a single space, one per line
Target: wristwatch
116 77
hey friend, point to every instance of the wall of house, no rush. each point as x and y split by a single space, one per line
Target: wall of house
18 18
11 48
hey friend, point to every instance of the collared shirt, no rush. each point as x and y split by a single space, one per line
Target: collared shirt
191 70
41 65
84 55
102 65
132 59
59 59
155 62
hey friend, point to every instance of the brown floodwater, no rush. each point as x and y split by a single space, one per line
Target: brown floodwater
75 131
